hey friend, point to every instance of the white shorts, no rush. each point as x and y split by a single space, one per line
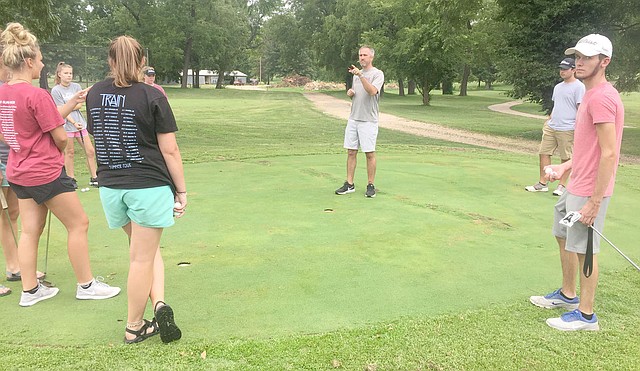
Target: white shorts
361 135
576 236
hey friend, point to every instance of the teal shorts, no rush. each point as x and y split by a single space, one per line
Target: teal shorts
147 207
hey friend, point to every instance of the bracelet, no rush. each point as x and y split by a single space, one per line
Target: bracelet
181 193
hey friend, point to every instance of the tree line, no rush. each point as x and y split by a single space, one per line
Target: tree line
425 44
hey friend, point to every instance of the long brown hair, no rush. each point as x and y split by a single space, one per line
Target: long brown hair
59 68
18 44
126 59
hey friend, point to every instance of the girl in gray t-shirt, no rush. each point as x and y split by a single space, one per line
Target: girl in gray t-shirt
75 124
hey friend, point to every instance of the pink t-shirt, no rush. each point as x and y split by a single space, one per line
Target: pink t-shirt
159 88
601 104
27 115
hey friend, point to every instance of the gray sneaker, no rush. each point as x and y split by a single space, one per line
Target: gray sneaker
371 191
43 293
346 188
98 290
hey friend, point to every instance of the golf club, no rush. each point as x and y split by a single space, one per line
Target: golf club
46 254
574 216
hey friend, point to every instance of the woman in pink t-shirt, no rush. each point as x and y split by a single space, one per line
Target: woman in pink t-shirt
32 126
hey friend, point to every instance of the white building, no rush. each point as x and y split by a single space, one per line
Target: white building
207 77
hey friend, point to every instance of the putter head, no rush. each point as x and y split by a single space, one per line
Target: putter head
570 218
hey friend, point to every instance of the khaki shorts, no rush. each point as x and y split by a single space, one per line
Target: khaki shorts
576 236
553 140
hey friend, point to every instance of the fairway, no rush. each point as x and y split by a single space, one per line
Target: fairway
275 254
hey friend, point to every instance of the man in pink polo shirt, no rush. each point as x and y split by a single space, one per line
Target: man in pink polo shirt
596 153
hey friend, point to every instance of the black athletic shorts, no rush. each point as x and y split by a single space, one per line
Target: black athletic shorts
45 192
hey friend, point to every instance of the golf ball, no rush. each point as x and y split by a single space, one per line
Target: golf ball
550 172
177 205
84 190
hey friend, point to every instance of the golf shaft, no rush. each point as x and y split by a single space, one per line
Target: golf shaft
617 249
46 253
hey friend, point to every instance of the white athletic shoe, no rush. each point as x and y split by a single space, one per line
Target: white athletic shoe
555 300
538 187
98 290
574 321
559 191
43 293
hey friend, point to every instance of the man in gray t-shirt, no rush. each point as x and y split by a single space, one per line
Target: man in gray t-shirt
557 133
362 127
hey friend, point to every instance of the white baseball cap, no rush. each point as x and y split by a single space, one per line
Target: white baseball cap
591 45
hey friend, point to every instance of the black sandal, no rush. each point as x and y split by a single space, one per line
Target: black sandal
142 333
169 331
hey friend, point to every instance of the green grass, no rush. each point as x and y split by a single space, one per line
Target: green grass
447 110
432 274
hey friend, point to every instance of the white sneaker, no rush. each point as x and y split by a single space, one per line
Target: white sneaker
538 187
559 191
574 321
43 293
98 290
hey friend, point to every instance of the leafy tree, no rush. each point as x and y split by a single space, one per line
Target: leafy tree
538 33
286 49
35 15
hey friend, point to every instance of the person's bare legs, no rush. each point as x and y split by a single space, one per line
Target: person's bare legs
157 285
352 160
569 263
6 224
144 244
33 220
588 286
565 176
371 166
69 154
68 209
545 160
91 155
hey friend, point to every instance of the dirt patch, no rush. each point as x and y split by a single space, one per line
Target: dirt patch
340 109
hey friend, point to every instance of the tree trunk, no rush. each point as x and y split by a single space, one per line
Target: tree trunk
220 83
348 79
465 80
425 98
425 93
411 89
401 87
488 85
196 77
186 62
44 82
447 87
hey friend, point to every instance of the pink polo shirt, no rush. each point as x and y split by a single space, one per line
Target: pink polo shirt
600 104
27 115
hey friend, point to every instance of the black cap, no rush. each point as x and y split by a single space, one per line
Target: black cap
152 72
567 64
